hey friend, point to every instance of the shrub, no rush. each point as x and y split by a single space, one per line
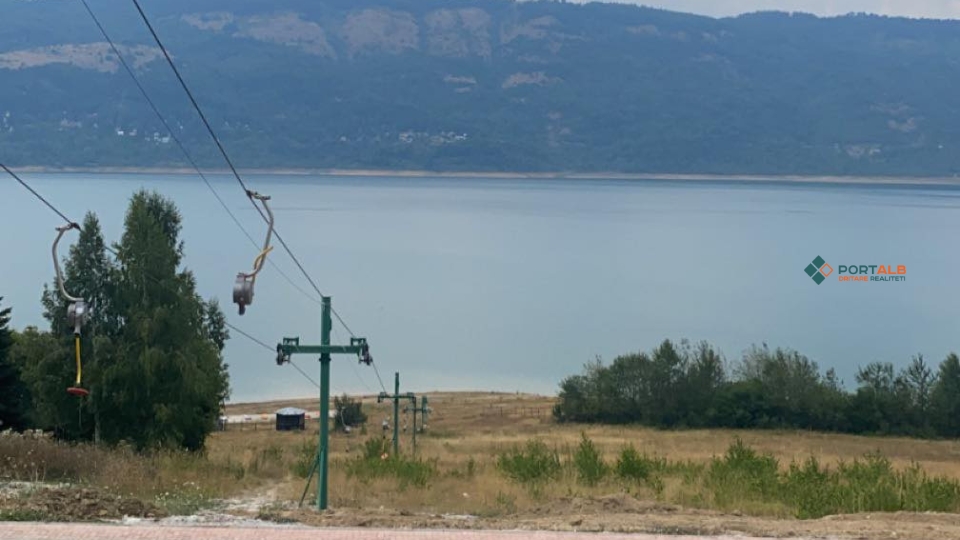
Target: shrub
305 459
742 474
348 412
535 463
812 490
921 493
869 485
632 466
376 462
589 463
375 448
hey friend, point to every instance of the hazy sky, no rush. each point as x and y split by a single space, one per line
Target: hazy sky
939 9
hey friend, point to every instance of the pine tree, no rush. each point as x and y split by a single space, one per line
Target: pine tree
12 390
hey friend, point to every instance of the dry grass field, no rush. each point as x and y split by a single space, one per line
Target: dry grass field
453 479
479 425
468 431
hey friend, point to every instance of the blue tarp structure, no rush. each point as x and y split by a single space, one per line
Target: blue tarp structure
291 419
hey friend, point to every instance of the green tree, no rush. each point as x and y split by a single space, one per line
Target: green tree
572 399
347 412
790 383
704 379
13 392
590 397
917 381
882 403
945 398
46 368
166 380
666 378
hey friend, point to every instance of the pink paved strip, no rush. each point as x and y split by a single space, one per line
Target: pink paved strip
70 531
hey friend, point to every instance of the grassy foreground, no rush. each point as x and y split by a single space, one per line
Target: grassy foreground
496 455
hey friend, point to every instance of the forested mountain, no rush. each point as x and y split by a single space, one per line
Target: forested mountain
485 85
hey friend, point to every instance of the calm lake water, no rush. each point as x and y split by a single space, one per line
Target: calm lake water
514 284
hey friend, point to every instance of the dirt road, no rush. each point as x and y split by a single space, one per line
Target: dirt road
66 531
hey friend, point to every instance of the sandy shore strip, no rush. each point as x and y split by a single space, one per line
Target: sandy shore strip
386 173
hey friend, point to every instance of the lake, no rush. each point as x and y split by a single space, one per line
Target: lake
513 284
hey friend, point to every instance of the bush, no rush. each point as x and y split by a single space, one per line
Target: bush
923 494
375 448
306 459
348 412
375 462
742 474
632 466
589 463
535 463
868 485
812 490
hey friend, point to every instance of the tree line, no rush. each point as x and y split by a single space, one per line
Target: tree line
679 385
152 349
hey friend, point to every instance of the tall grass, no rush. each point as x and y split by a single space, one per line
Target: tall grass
180 482
459 478
870 484
746 480
376 462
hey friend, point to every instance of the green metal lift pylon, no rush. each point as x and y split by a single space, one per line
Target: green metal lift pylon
396 397
291 346
423 410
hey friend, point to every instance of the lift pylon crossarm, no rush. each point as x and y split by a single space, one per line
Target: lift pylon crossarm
291 346
243 286
383 396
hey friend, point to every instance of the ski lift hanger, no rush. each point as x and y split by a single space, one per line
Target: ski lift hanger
243 286
77 312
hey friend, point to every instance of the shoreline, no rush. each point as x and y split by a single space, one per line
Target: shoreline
390 173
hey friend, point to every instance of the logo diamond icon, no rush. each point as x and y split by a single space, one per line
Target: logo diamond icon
818 270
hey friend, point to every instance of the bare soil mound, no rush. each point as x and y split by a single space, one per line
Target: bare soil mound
76 504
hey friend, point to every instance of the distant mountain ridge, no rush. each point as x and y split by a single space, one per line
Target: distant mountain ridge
483 85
